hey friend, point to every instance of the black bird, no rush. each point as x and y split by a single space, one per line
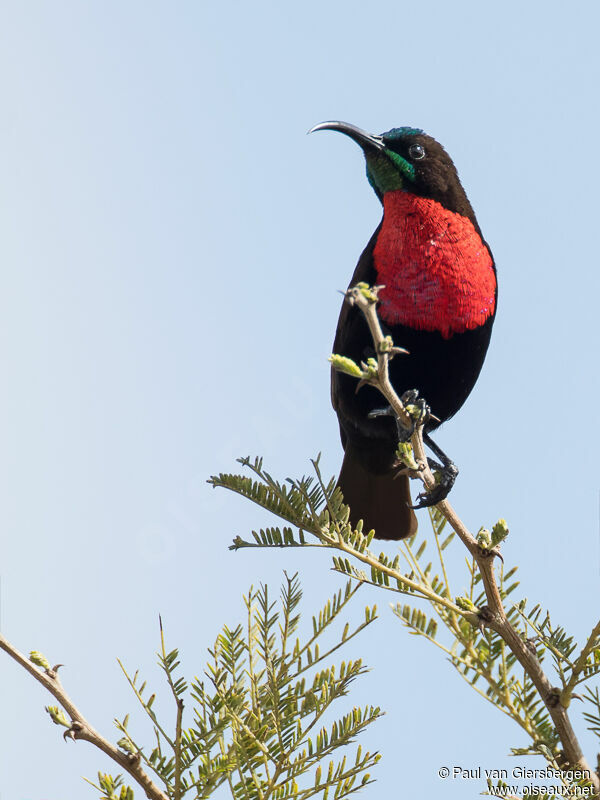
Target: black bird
439 303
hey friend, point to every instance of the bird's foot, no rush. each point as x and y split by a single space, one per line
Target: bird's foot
445 473
416 408
445 477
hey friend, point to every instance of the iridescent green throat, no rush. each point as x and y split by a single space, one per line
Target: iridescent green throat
387 171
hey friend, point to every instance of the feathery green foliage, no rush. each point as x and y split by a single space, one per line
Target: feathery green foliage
261 714
453 622
108 786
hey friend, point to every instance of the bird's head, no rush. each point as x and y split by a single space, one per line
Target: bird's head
409 160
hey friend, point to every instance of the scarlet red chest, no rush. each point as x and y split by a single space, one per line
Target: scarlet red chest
437 271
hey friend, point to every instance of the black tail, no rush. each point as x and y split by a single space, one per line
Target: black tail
381 501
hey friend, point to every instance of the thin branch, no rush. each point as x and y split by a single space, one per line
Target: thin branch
179 703
144 705
442 562
80 728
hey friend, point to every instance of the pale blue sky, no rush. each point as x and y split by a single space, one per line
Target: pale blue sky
162 213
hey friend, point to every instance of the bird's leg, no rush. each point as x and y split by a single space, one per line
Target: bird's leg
418 412
404 434
447 472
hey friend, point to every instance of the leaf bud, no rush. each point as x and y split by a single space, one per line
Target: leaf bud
39 660
465 604
499 532
126 745
367 292
346 365
484 538
57 716
404 452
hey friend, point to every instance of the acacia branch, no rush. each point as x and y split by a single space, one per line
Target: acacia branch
80 728
493 615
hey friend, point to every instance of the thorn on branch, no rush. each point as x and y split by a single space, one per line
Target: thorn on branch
74 731
492 552
386 345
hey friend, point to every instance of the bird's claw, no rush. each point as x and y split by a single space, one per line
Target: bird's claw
412 398
418 411
446 477
416 408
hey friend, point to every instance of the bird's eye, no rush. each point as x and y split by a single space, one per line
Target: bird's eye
416 152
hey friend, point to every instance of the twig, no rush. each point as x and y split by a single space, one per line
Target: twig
493 615
80 728
178 725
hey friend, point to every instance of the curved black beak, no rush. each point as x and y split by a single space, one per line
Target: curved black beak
362 138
